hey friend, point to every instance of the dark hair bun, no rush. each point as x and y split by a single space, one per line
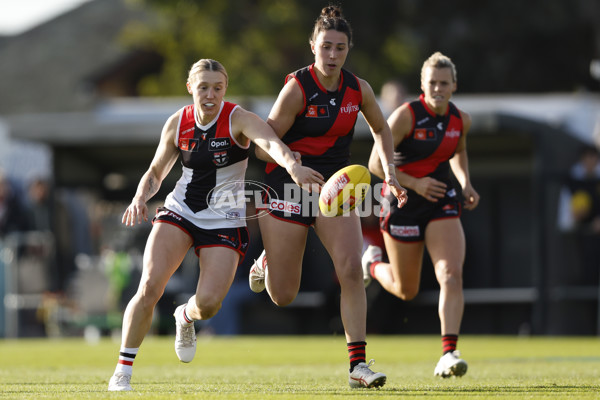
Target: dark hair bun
331 12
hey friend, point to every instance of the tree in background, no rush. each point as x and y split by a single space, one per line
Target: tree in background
500 45
258 41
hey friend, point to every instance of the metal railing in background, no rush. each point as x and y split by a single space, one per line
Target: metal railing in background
25 268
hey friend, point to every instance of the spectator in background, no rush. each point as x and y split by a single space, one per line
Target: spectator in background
12 212
40 205
393 95
579 208
46 213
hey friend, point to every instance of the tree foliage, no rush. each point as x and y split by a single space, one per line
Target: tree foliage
498 45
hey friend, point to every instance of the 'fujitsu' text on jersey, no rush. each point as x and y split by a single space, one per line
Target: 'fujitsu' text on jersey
432 143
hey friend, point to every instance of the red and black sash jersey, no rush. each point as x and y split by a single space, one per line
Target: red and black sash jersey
323 130
210 148
210 157
431 143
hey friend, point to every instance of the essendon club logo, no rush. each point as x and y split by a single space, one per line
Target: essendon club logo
315 111
424 134
187 144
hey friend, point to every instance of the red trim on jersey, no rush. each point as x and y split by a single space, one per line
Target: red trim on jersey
187 126
223 123
311 69
429 110
414 121
287 78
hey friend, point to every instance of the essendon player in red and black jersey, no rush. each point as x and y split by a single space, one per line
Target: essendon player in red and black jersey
430 143
322 133
315 114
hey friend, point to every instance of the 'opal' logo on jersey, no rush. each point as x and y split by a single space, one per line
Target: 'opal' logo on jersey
285 206
349 108
229 199
332 102
440 126
315 111
217 144
404 231
453 133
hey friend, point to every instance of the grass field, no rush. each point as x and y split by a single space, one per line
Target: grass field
303 367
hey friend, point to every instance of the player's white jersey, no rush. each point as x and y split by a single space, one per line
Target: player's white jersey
210 192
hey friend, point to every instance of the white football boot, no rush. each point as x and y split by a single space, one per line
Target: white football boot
362 376
372 254
185 338
451 364
119 382
256 278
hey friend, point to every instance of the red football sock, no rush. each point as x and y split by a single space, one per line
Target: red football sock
449 343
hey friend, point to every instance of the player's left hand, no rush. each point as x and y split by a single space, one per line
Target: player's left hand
471 197
398 191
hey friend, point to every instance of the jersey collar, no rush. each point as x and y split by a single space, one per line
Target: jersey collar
211 123
429 110
311 68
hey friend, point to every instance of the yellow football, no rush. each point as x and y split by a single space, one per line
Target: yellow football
344 190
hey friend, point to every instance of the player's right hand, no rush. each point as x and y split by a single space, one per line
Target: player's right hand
135 213
307 178
431 189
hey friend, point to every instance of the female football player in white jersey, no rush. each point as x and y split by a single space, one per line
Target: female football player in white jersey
212 137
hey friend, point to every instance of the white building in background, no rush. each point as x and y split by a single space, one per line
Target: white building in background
24 160
576 113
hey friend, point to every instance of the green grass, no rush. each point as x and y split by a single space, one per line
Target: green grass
305 367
